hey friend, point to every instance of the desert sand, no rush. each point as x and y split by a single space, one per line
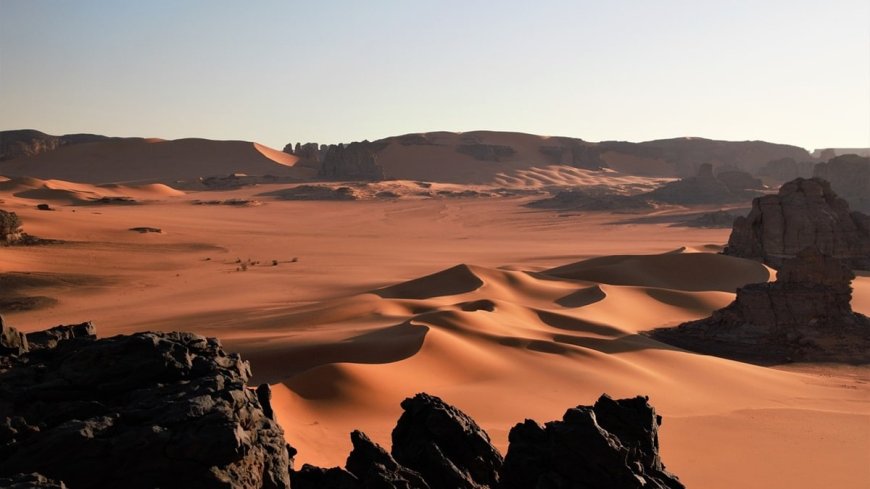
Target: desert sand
507 312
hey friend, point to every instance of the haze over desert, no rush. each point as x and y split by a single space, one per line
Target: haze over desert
469 307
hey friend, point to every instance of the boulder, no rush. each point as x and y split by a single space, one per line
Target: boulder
375 467
805 315
140 411
805 213
613 444
444 445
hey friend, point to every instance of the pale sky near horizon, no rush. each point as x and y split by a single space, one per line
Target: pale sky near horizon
794 72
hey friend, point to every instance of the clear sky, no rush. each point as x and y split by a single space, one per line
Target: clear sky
336 71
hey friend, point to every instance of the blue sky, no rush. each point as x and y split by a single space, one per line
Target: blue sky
335 71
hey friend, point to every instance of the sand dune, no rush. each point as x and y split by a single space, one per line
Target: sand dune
79 193
149 161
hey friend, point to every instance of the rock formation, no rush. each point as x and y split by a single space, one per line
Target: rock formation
141 411
707 188
805 212
10 228
850 178
444 445
805 315
355 161
613 444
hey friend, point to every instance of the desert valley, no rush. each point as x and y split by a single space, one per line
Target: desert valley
511 275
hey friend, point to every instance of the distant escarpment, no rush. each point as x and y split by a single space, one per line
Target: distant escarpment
141 411
805 213
612 444
481 156
850 178
805 315
25 143
708 188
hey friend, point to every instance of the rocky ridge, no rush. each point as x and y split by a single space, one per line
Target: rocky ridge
140 411
612 444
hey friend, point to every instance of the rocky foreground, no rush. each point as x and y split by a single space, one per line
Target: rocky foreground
174 410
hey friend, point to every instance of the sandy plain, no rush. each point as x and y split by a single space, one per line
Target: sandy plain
348 307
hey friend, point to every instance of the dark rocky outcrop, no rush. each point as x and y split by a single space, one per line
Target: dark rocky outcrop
805 213
591 200
805 315
313 192
374 467
613 444
10 228
352 162
850 178
707 188
444 445
140 411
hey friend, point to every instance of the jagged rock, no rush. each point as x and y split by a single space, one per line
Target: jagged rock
706 188
49 338
785 169
311 477
375 468
30 481
805 213
444 445
140 411
355 161
12 341
804 315
613 444
850 178
10 228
